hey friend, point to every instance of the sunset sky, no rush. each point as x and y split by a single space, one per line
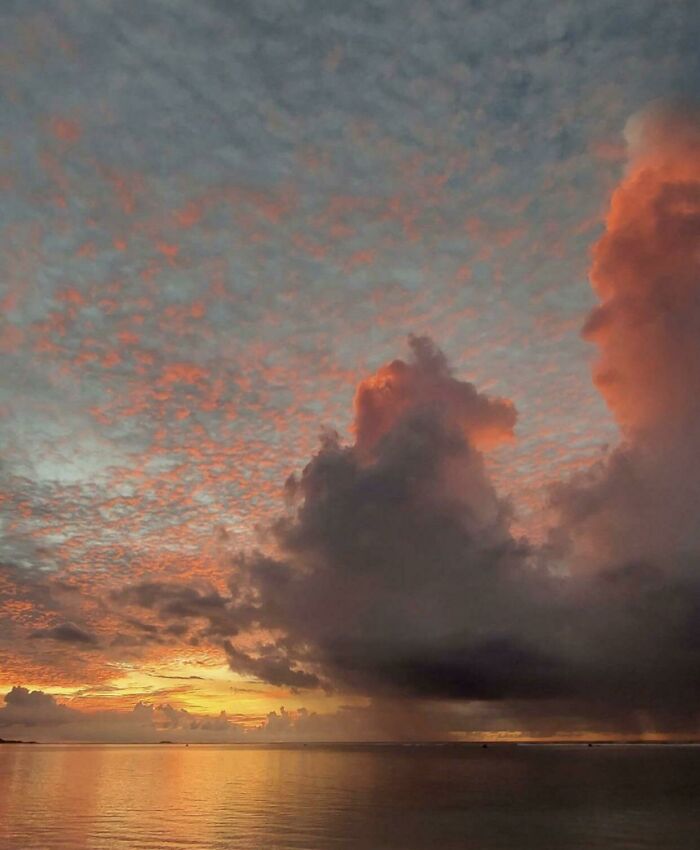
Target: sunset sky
351 364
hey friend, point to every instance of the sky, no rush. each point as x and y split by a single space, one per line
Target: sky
350 368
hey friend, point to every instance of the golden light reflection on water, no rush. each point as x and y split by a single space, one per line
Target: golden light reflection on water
412 798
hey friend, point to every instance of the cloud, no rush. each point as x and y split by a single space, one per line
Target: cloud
426 383
645 271
183 602
628 526
272 665
397 572
33 708
66 633
640 503
39 715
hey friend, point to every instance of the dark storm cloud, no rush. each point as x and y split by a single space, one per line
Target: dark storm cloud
180 606
398 573
397 570
175 603
394 560
66 633
272 665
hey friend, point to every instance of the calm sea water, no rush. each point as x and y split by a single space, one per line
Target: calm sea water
376 798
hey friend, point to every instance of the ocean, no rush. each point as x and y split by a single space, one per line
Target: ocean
85 797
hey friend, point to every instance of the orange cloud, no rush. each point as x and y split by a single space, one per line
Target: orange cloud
646 271
426 382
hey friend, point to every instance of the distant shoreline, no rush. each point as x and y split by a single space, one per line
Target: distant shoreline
349 745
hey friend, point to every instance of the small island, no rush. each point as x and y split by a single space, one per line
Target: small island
5 741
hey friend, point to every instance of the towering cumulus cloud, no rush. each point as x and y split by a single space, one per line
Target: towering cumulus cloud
646 271
630 524
395 572
400 573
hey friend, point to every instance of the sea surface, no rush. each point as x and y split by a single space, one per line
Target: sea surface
371 797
